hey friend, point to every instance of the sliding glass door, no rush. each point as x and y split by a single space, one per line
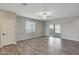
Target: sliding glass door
55 30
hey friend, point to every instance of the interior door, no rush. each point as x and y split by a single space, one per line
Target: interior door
7 29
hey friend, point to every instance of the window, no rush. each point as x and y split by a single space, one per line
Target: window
54 28
57 29
51 27
30 26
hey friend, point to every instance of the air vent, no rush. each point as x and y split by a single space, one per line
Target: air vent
24 4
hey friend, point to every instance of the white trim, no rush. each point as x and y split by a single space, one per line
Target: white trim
70 39
73 39
30 37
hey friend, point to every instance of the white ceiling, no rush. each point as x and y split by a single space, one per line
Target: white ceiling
32 10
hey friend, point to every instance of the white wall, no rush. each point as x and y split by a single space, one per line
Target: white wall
21 32
69 27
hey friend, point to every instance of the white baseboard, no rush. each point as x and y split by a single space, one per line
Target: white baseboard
73 39
70 39
30 37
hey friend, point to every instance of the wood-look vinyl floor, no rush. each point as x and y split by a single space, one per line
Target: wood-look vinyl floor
42 46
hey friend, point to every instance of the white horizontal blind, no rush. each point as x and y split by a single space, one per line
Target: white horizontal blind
30 26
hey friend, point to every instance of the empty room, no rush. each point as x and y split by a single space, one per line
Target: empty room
39 28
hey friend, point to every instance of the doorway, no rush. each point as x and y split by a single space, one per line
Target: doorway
55 30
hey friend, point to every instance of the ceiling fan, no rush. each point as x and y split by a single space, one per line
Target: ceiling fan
45 15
